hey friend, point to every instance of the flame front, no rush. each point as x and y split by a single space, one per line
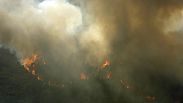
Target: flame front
29 64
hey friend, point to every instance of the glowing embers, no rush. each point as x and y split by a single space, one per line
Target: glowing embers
30 64
105 70
102 71
105 64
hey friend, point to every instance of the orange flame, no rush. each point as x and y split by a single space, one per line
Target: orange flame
105 64
29 64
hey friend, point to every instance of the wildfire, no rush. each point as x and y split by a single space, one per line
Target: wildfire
29 64
105 64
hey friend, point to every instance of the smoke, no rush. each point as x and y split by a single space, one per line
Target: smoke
50 27
32 21
143 38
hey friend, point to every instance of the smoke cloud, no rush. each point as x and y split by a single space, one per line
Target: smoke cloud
145 39
50 27
142 39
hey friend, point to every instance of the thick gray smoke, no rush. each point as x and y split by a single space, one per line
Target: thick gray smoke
145 38
52 28
142 38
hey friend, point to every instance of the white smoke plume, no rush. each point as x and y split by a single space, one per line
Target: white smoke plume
56 30
29 26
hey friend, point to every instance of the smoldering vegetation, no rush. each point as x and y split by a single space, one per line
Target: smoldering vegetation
142 39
